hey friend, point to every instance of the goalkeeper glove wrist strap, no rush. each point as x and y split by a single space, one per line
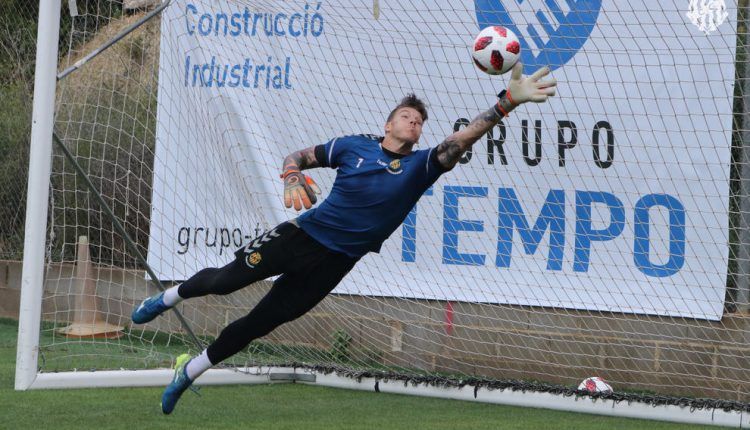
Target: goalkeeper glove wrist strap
504 104
289 172
499 110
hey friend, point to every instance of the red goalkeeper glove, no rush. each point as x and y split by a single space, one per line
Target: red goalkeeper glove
299 190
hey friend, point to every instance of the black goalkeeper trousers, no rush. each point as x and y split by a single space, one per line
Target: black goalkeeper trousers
309 271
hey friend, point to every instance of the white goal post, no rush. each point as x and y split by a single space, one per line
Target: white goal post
40 160
600 234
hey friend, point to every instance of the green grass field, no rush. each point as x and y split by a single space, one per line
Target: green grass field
280 406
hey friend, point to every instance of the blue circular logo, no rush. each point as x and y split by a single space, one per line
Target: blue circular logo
555 36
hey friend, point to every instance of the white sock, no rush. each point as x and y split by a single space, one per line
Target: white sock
198 365
171 297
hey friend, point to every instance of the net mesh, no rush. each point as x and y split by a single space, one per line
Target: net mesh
463 292
17 43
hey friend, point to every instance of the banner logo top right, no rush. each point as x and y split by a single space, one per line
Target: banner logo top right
551 32
707 15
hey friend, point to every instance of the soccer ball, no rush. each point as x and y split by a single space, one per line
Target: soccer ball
595 384
496 50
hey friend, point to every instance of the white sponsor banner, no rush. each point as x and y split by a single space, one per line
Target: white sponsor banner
612 196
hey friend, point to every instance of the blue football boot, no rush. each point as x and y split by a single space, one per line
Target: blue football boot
149 309
179 384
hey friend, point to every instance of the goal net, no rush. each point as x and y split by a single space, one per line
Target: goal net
598 234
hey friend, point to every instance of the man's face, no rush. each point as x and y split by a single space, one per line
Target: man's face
406 125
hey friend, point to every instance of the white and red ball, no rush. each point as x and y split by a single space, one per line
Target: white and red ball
496 50
595 384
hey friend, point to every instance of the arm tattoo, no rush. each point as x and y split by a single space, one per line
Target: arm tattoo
300 160
483 123
454 146
448 152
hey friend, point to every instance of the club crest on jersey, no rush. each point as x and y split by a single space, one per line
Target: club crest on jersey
395 167
253 259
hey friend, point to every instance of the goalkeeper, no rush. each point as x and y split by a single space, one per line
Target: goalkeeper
379 179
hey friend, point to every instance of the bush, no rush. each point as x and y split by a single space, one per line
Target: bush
15 130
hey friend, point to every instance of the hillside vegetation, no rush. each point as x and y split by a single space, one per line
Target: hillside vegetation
105 113
106 116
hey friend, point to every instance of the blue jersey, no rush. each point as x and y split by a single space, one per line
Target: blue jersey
373 192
